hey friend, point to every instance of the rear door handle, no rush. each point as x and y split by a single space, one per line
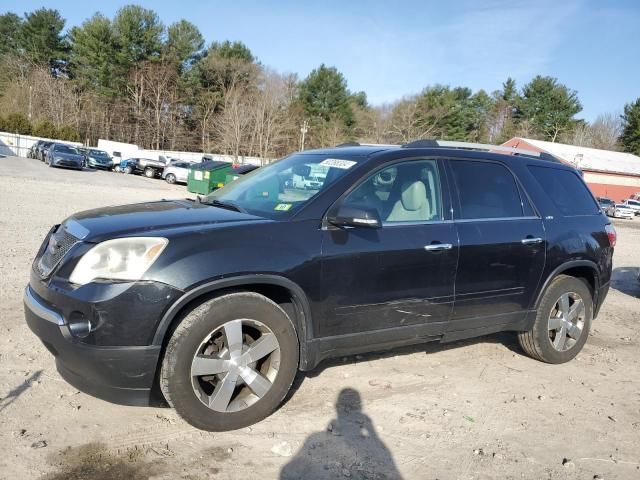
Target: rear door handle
531 241
436 247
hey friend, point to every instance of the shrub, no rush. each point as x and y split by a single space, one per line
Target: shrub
16 123
68 133
45 128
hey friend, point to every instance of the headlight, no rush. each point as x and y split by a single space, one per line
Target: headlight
118 259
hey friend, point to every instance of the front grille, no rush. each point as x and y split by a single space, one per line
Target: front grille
59 245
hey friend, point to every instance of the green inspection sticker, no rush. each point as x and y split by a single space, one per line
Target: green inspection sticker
283 207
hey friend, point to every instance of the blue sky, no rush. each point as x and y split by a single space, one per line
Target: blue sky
396 48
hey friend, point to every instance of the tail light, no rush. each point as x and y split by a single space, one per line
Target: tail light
611 233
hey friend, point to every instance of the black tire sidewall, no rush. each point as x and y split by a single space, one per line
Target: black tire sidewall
559 286
196 327
170 178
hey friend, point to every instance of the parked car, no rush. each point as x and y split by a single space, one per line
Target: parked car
223 299
94 158
620 210
32 152
150 168
604 203
62 155
176 171
42 150
633 205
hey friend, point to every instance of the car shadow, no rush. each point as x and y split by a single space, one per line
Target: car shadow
15 393
348 447
507 339
625 280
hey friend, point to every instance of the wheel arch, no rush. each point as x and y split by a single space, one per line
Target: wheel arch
277 288
584 269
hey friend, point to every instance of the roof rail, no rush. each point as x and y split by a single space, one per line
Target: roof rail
427 143
480 146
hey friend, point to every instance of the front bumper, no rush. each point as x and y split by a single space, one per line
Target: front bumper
66 163
121 374
104 166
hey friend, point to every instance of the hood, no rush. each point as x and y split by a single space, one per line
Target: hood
146 218
68 156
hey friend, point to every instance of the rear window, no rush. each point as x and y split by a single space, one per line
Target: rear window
566 190
486 190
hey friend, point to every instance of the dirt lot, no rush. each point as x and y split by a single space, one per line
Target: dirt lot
472 409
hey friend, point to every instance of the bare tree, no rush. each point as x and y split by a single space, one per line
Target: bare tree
605 131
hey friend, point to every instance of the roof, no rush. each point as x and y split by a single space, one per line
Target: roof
588 158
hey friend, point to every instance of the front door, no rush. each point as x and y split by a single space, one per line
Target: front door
400 275
502 246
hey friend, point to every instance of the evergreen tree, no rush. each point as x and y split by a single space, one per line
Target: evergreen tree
630 138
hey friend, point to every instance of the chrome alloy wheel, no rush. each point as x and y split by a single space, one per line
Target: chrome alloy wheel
235 365
566 321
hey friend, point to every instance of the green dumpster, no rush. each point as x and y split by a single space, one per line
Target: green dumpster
207 176
239 170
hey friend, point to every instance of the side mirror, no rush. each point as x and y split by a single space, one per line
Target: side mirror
302 170
355 216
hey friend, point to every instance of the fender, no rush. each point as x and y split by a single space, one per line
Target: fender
566 266
301 303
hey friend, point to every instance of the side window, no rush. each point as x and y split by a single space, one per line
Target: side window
566 190
403 192
485 190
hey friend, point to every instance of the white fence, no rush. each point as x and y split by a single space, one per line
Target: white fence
120 151
19 145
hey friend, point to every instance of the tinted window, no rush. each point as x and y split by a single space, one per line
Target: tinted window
566 190
404 192
485 190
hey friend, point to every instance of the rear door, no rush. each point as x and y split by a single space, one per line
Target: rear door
502 245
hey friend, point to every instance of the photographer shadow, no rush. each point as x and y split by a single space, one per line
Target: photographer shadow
349 447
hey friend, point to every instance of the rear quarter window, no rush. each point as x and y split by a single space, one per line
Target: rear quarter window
566 190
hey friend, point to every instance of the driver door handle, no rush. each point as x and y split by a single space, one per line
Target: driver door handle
531 240
437 247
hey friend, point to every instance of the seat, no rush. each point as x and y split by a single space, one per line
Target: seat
412 204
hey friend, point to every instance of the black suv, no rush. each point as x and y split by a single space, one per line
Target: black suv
221 300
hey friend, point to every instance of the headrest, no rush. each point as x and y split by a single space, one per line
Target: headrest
414 195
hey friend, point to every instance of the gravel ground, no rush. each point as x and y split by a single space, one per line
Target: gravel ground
472 409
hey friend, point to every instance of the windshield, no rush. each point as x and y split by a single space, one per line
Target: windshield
284 186
99 154
65 149
606 201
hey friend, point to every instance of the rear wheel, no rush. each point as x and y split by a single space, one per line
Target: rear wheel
149 172
170 178
230 362
127 170
562 323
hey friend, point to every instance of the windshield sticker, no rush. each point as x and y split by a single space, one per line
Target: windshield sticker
337 163
283 207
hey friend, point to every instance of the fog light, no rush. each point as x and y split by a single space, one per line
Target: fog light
79 326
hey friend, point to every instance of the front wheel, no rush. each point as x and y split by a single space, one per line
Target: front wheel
230 362
149 172
562 323
170 178
128 170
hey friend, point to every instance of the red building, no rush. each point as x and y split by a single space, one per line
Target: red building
615 175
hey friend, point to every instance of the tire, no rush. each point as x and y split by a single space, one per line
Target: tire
170 178
210 320
542 341
128 170
149 172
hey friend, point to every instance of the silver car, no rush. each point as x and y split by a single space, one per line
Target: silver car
177 171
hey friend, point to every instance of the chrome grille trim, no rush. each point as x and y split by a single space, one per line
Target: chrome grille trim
60 242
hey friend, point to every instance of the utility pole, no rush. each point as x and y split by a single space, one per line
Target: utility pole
30 92
303 130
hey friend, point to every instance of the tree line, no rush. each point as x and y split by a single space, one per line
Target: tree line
130 78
